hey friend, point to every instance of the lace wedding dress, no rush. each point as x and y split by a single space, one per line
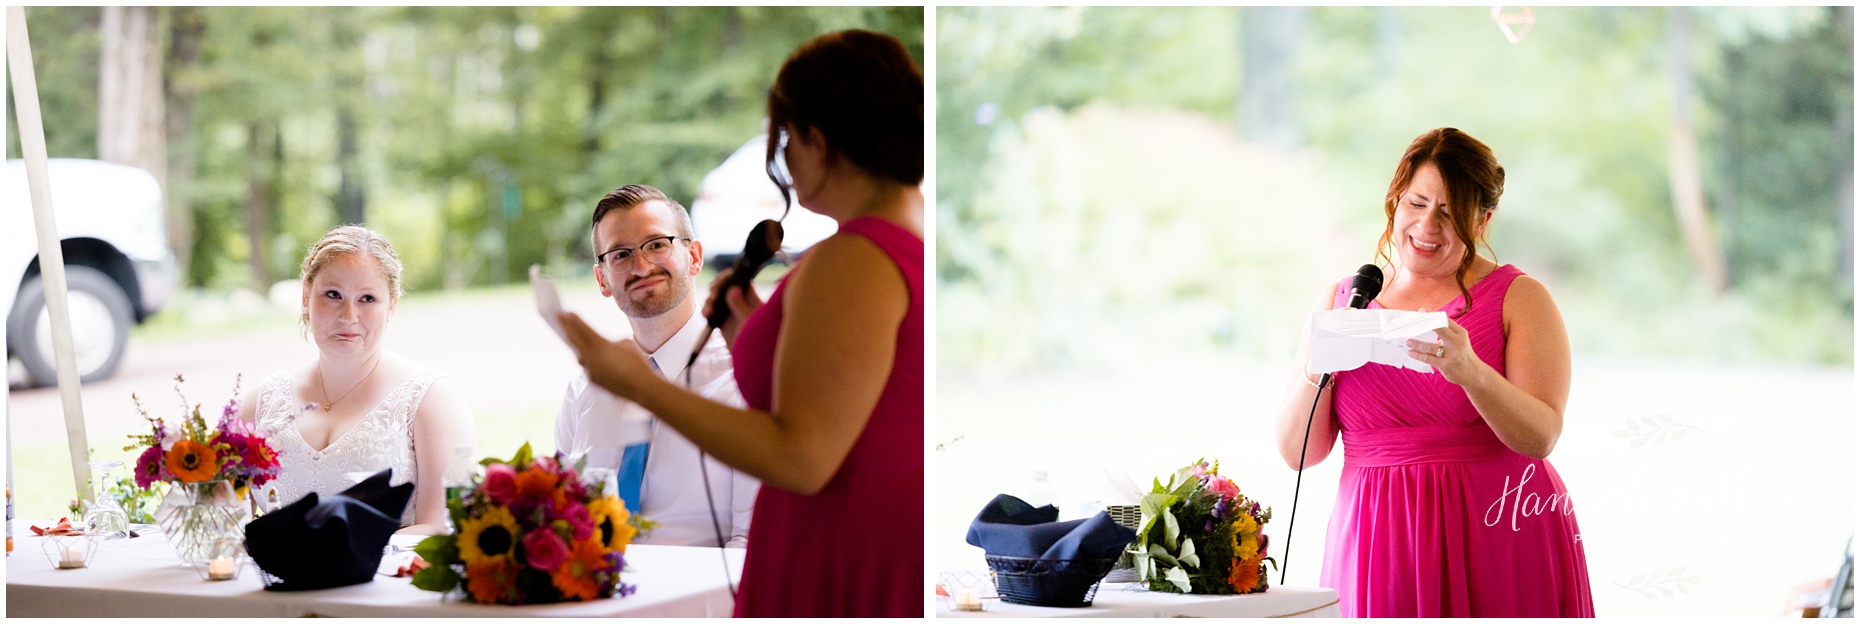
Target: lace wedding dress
381 439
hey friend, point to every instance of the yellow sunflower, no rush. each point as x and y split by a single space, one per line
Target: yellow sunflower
1246 537
490 536
610 517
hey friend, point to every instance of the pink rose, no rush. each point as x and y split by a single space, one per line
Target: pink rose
500 483
544 550
579 521
1223 486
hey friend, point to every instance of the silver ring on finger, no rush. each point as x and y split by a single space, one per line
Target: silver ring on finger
1440 351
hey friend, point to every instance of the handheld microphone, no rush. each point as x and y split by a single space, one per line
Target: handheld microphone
761 245
1363 289
1365 286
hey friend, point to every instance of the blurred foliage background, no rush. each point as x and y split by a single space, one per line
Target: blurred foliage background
1115 182
477 139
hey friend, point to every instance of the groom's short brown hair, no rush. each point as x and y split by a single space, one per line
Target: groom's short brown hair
635 194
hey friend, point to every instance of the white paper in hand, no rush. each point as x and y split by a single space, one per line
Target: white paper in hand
549 303
1345 339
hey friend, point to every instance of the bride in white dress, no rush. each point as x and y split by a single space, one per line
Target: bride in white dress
358 408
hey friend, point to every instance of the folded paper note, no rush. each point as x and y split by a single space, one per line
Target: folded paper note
1346 339
548 302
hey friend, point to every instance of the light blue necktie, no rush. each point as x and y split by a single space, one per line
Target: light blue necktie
632 470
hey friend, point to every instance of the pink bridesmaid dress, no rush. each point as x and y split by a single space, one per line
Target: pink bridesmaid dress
855 548
1435 516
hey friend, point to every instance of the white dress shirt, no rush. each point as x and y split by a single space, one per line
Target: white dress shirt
595 423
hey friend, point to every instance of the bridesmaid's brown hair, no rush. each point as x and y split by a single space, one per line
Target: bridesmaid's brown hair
866 96
1474 181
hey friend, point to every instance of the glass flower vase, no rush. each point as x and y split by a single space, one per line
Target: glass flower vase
195 516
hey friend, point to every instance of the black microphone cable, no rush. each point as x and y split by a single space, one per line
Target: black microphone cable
1302 447
1364 287
704 472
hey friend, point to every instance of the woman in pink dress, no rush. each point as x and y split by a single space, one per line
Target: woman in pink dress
1448 506
832 367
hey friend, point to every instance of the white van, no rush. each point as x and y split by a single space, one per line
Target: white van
736 196
118 268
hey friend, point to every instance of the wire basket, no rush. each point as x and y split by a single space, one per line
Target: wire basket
1048 582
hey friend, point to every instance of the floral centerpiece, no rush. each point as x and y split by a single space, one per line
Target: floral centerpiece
529 532
209 472
1199 535
188 452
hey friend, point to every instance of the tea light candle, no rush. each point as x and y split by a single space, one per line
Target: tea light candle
968 600
220 569
71 556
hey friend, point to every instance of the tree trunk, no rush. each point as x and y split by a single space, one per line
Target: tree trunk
1844 135
599 63
352 192
1684 176
129 110
1268 94
258 204
187 28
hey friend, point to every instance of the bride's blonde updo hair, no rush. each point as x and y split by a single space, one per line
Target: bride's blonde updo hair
345 241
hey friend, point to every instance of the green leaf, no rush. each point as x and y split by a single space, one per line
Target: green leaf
523 457
1171 530
1153 506
1188 557
1178 577
439 550
1189 483
1161 555
437 579
1142 559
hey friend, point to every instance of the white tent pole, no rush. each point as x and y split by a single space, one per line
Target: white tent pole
51 256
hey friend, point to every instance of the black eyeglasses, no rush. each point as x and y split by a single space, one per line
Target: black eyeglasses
654 250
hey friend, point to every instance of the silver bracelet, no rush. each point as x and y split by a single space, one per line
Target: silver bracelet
1314 384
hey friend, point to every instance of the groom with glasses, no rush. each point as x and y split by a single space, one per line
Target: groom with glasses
648 262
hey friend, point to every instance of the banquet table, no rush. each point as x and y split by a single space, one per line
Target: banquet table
141 577
1131 600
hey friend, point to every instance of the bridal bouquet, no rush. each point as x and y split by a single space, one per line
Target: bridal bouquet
1201 536
188 452
529 532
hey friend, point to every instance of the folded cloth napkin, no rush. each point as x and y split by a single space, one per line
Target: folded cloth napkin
1008 526
320 542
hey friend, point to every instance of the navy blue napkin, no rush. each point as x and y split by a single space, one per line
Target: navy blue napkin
1008 526
319 542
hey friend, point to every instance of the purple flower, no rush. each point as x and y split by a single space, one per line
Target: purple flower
149 467
627 590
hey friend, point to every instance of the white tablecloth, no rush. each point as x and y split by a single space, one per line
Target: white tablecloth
142 577
1130 600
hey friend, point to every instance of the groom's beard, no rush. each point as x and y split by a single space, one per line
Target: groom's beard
653 302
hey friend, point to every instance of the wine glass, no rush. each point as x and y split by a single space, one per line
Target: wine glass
105 517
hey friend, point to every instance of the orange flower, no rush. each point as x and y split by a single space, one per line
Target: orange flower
1244 575
575 577
536 483
490 580
192 462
